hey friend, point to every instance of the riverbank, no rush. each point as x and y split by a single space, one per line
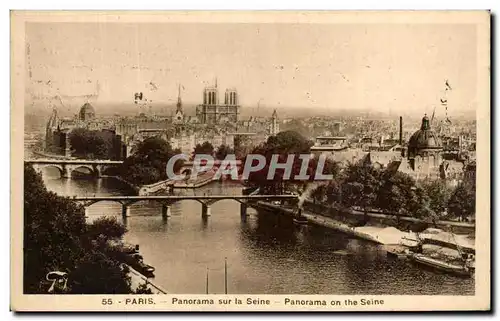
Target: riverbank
201 180
144 189
130 185
383 235
462 227
138 279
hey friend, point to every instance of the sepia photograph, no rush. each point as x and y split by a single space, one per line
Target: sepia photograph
250 160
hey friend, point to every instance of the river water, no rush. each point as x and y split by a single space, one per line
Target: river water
265 255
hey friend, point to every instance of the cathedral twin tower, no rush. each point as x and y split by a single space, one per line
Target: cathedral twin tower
211 112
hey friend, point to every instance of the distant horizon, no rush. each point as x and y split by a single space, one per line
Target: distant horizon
164 109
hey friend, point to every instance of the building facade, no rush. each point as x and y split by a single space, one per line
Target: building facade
58 132
215 123
212 112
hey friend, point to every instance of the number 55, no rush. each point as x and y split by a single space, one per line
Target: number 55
107 301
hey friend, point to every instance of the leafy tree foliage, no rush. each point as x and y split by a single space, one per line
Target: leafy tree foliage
360 186
91 144
148 164
206 148
242 146
106 228
462 203
52 230
143 289
57 238
97 273
282 145
438 193
223 151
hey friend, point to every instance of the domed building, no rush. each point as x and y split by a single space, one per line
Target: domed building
87 112
424 142
424 148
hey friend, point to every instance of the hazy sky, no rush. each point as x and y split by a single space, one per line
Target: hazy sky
393 68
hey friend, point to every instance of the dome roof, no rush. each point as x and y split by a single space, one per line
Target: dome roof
87 112
87 108
423 139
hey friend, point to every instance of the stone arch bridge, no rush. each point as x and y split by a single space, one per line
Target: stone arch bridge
67 166
167 201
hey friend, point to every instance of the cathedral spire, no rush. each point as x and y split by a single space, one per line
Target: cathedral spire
179 100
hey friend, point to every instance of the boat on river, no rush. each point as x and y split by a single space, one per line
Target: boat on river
136 261
467 269
129 254
300 221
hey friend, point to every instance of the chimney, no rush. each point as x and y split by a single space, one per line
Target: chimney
401 131
401 136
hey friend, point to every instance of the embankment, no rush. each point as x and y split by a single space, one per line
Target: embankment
384 234
138 279
134 188
156 187
400 221
199 181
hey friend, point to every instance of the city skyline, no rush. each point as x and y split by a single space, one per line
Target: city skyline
323 66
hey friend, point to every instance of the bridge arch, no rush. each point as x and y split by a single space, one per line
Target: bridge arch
158 202
93 202
229 198
41 167
92 171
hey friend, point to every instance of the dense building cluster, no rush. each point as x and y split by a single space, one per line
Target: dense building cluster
423 155
219 124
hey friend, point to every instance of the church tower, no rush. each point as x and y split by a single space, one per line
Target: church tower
274 128
52 125
179 115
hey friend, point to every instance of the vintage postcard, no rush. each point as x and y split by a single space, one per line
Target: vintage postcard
250 161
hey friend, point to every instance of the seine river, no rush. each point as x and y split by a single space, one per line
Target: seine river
265 255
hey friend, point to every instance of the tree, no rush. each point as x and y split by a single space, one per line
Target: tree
141 174
143 289
223 151
360 186
52 229
462 203
148 164
97 273
318 194
334 193
395 191
206 148
399 194
283 144
106 228
439 194
57 238
288 142
90 143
